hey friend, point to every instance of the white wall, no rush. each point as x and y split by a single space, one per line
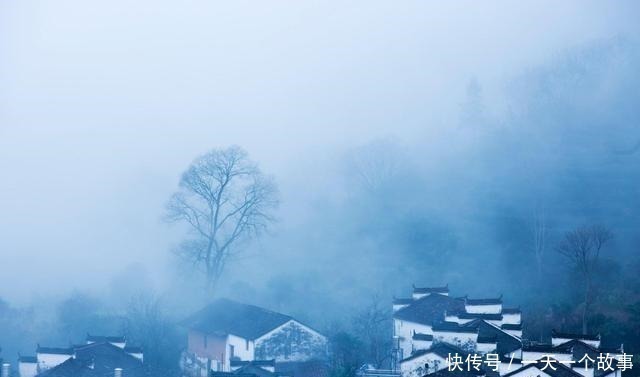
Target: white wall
242 348
512 319
516 333
404 331
416 367
315 344
49 360
397 307
421 345
484 309
27 369
456 338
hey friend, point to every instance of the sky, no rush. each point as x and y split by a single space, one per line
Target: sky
103 105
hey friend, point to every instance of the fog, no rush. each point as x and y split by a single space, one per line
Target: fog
485 114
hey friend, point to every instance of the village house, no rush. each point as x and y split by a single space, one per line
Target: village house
228 333
431 325
98 356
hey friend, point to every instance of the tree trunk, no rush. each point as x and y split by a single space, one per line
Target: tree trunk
585 309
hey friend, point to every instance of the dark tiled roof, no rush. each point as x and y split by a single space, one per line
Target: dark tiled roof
441 349
402 301
55 350
444 289
429 309
505 343
106 357
509 326
224 317
425 337
453 327
565 335
484 301
311 368
71 368
486 316
579 349
511 311
102 338
259 363
27 359
251 369
133 349
561 370
546 348
487 339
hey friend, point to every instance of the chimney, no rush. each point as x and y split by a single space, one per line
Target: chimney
5 370
117 372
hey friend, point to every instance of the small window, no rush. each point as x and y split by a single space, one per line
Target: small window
231 351
247 345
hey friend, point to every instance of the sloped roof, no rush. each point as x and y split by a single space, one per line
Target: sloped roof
223 317
254 370
103 338
27 359
424 337
453 327
566 335
444 289
70 368
55 350
441 349
260 363
484 301
505 343
543 347
402 301
511 326
430 309
311 368
105 357
487 316
511 311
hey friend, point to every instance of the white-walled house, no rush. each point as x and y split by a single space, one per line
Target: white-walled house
99 355
431 317
227 331
432 320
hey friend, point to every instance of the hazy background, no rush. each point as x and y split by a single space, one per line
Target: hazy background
487 112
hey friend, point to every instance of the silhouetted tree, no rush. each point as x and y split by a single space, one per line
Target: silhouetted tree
582 247
224 199
373 327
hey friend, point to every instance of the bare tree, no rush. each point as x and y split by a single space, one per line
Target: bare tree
372 327
582 247
376 163
224 199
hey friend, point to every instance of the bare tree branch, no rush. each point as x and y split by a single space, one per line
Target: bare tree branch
224 199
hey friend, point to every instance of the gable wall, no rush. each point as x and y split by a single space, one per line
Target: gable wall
292 341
